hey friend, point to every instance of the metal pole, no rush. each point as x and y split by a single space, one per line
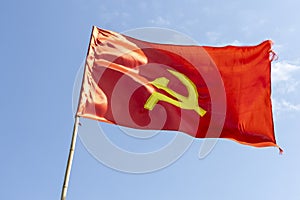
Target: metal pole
74 136
70 159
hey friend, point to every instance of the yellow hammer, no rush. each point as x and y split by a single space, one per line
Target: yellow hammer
190 102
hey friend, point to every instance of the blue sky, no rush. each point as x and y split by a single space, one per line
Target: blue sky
42 47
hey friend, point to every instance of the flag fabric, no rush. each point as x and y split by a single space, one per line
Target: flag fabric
206 92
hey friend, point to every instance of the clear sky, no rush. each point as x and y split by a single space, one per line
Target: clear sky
43 44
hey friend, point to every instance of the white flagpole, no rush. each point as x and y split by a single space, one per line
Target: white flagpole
74 137
70 159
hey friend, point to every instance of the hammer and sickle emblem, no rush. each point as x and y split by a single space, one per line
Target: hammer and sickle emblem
190 102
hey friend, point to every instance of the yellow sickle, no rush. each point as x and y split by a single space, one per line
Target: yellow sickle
190 102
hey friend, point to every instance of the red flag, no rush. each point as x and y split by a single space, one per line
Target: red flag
206 92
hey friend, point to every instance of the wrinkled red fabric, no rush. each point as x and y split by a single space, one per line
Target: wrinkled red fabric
119 69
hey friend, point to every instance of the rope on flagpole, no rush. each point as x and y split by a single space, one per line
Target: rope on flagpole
70 159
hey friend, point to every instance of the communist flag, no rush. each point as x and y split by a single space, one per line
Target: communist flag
206 92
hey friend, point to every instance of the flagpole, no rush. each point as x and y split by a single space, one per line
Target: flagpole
74 135
70 159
